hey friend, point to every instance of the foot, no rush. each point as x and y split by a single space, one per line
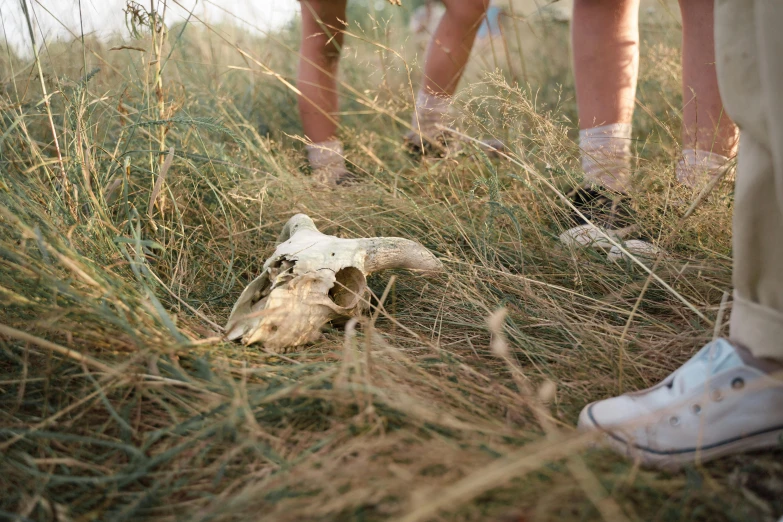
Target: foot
716 404
442 143
418 145
327 164
334 177
608 214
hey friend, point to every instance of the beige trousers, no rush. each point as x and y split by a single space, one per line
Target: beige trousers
749 55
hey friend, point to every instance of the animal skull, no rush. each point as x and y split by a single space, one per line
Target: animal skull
312 279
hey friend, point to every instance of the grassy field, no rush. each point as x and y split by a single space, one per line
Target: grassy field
143 182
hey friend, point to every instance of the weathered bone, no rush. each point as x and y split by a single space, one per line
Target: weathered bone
312 279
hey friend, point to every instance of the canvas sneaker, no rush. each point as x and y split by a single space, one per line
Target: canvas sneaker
713 405
608 214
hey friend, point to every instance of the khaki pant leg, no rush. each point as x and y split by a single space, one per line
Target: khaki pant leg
750 62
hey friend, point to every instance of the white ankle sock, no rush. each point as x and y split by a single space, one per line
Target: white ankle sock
606 155
326 154
696 168
431 111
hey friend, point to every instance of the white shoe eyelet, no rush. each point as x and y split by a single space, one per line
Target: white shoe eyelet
696 409
674 421
738 383
716 395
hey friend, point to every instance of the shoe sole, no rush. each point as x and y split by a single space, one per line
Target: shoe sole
674 460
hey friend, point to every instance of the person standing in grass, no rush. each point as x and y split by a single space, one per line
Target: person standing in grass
729 397
322 40
605 36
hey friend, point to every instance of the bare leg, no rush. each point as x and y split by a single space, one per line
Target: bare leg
605 35
320 56
450 47
447 56
605 42
705 124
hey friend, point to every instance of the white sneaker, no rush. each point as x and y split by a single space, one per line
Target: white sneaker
610 215
642 250
713 405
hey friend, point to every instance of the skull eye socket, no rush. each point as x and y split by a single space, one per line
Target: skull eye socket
348 287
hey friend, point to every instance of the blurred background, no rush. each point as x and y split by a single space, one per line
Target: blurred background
62 19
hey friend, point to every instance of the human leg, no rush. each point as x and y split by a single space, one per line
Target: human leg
318 64
757 313
751 76
729 397
451 44
709 136
317 84
447 56
605 42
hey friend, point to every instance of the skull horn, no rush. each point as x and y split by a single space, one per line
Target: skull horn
396 252
295 224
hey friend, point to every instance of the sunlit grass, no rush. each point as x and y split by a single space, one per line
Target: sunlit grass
120 262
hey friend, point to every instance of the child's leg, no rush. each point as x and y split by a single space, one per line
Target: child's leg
317 82
320 56
447 56
605 36
709 136
450 47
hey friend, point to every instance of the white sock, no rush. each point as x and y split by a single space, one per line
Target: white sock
326 155
606 155
696 168
431 111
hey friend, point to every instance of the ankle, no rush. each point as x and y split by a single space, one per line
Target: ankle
606 156
764 364
696 167
326 155
431 110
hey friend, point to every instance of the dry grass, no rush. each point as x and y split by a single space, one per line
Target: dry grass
120 401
